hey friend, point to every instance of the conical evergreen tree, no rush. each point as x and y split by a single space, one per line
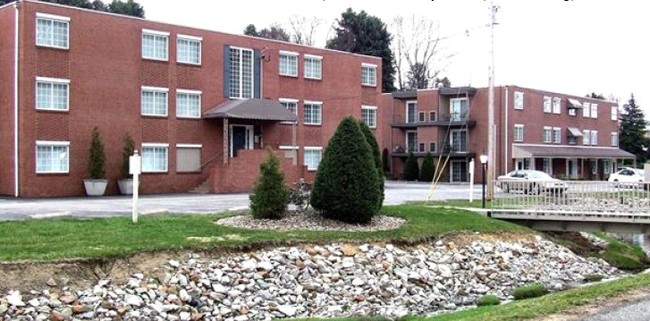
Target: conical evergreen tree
346 186
632 131
97 157
374 147
411 168
270 196
428 168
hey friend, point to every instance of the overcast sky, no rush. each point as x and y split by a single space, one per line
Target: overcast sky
572 47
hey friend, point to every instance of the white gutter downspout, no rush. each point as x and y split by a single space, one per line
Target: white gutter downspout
16 46
507 146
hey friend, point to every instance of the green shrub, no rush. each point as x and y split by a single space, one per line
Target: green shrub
374 148
127 151
346 186
592 277
529 291
270 196
428 168
96 157
489 299
411 168
385 161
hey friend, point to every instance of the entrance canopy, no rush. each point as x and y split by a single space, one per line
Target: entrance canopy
537 151
259 109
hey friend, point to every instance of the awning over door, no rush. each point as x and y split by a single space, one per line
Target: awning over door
536 151
259 109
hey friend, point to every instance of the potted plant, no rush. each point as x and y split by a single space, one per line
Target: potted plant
96 184
125 183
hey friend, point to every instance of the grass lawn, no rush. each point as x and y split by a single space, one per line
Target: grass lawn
109 237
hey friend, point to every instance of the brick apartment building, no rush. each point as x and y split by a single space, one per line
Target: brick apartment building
569 137
202 106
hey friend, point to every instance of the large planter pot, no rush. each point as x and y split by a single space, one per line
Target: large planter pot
95 187
126 186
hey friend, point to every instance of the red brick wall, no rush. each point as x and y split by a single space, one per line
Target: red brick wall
7 25
106 73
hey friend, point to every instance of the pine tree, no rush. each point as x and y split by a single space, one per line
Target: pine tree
346 186
97 157
411 168
270 196
632 131
428 168
384 161
374 147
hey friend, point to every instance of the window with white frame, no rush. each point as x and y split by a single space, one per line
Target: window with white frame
241 73
594 137
459 140
586 109
422 116
411 141
368 74
52 31
613 113
548 104
369 115
313 67
557 103
188 103
547 166
290 104
154 101
557 135
313 112
432 116
571 111
607 166
52 157
154 157
411 111
288 63
548 134
519 100
188 49
614 139
155 44
586 135
312 157
188 158
432 147
52 93
594 110
519 133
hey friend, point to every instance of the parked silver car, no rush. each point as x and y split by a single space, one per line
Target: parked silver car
530 182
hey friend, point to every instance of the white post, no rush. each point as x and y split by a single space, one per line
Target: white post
471 180
135 169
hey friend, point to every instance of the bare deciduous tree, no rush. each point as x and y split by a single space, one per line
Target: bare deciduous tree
304 29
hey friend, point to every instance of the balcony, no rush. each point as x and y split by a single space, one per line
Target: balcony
445 120
458 151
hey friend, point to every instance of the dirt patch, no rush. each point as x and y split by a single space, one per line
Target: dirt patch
575 242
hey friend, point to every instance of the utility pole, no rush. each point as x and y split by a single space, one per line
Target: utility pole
491 123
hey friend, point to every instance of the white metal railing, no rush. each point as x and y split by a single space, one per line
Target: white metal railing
573 197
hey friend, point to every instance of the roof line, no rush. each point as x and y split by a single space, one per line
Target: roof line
557 93
573 146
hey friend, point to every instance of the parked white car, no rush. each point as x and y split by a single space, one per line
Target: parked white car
530 182
627 176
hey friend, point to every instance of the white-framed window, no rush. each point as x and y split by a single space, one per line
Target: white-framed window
519 100
312 157
613 113
557 105
548 134
586 136
313 112
369 115
313 67
459 140
547 104
432 147
188 103
458 108
607 166
411 140
421 147
571 111
519 133
288 63
547 166
52 31
241 73
557 135
52 157
154 101
594 137
188 158
586 109
154 157
411 111
368 74
291 105
432 116
614 139
52 94
188 49
422 116
155 45
594 110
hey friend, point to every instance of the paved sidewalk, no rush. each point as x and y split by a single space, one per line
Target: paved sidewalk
90 207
